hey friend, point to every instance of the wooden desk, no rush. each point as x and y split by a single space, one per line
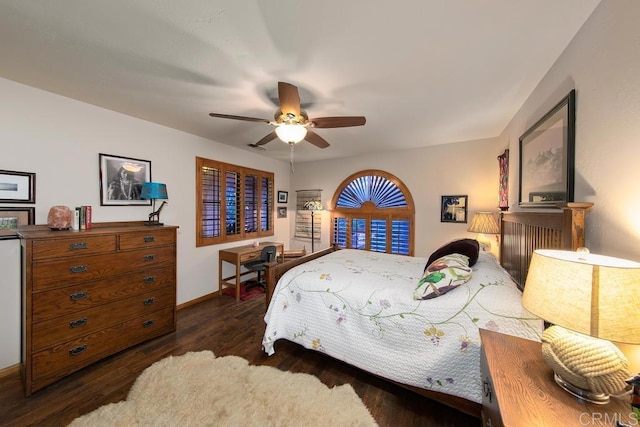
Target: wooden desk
238 256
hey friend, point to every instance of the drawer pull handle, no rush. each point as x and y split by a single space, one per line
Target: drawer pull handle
149 279
79 268
77 350
149 257
149 301
148 323
149 239
79 295
78 323
78 245
488 393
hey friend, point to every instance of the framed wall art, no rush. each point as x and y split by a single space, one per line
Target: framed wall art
547 156
453 209
283 196
121 180
282 212
503 187
17 187
12 218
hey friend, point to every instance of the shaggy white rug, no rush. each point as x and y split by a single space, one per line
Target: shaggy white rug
198 389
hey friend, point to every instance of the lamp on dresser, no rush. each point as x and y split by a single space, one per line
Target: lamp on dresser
154 191
590 300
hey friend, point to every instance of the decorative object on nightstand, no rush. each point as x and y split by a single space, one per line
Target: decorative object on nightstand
154 191
313 206
484 223
59 218
591 300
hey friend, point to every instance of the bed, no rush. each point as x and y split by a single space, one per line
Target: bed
358 307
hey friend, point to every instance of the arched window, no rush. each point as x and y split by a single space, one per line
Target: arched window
373 210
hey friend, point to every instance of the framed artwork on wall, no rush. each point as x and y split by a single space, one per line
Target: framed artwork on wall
121 180
283 196
11 218
453 209
547 156
282 212
503 187
17 187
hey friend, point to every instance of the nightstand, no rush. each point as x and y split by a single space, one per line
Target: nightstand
519 389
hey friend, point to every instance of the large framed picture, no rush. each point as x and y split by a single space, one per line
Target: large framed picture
121 180
453 209
17 187
547 157
12 218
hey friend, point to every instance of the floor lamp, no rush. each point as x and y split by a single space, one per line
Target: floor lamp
313 206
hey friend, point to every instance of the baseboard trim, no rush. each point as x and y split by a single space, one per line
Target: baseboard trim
197 300
10 370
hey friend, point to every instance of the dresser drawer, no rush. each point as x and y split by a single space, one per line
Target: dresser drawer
154 237
49 274
73 325
54 363
57 302
80 245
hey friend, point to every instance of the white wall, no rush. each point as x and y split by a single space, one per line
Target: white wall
469 168
59 139
603 64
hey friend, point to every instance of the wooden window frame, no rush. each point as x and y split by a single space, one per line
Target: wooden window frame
264 213
368 211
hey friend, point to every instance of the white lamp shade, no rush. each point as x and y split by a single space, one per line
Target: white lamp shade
291 133
592 294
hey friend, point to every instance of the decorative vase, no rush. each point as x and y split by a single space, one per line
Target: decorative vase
59 218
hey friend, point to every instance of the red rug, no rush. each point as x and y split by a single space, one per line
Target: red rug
254 291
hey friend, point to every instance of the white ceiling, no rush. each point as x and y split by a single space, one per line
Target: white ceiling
423 72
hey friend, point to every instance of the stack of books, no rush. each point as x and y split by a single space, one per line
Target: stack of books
82 218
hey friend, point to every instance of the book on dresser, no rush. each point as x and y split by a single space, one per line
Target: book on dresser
91 293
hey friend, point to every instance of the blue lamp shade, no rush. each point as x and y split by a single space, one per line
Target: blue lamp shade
154 190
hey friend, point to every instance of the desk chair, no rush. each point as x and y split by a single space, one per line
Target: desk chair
268 255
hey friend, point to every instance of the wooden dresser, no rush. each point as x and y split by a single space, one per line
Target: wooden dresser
91 293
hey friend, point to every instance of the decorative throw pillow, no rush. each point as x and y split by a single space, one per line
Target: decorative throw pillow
468 247
442 276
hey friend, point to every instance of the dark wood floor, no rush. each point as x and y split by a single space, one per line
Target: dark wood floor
227 328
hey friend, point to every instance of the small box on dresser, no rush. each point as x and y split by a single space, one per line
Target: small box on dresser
89 294
519 389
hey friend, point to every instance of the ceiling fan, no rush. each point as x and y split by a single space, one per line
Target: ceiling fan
292 124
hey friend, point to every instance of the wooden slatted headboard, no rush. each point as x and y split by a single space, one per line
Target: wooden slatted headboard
523 232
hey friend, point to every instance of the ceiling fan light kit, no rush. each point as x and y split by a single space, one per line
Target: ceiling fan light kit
291 133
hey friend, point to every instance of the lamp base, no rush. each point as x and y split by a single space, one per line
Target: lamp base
580 393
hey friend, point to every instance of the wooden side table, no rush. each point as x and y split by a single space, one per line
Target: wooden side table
519 390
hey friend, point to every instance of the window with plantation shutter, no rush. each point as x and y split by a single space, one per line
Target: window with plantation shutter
232 203
373 210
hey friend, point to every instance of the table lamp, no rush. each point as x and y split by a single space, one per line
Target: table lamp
484 223
313 206
154 191
591 300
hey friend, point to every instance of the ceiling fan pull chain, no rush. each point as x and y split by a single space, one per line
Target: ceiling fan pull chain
291 157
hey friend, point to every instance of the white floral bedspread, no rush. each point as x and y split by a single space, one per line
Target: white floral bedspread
357 306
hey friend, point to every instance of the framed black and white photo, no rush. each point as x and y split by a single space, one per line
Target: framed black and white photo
453 209
12 218
547 157
121 180
282 212
17 187
283 196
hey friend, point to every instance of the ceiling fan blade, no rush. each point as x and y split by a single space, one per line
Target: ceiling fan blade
338 122
267 138
246 119
289 99
316 139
